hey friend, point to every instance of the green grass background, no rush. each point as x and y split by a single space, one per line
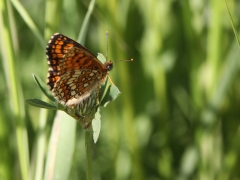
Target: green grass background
178 115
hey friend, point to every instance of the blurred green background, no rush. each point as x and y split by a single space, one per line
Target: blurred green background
179 112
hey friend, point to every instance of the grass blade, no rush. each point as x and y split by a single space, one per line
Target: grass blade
25 16
15 90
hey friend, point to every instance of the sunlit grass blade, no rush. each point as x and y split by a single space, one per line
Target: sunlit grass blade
53 9
233 24
15 90
83 31
61 147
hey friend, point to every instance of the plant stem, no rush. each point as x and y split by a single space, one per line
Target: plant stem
88 152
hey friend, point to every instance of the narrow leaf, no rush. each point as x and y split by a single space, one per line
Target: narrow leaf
96 125
43 87
40 103
233 24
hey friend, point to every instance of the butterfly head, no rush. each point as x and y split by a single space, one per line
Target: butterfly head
108 65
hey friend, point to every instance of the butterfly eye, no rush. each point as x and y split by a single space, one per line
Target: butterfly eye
109 67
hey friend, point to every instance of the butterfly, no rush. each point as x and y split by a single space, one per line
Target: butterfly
75 74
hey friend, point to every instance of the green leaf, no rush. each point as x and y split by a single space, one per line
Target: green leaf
43 88
96 125
110 95
41 104
101 58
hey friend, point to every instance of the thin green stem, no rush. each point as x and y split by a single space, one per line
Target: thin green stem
88 152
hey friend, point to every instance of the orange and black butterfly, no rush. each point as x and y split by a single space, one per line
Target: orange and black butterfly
74 72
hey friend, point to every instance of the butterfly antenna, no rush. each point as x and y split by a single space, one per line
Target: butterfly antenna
107 45
107 51
123 60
